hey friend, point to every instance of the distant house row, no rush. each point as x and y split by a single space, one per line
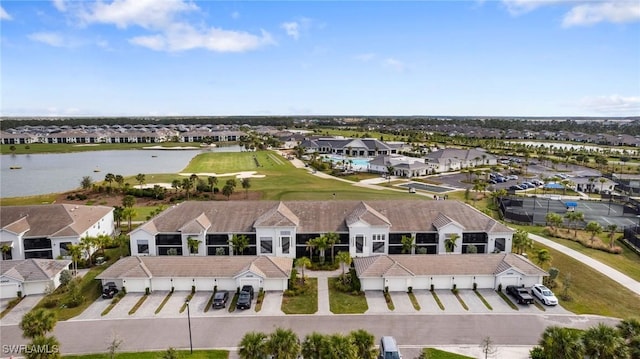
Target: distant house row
159 136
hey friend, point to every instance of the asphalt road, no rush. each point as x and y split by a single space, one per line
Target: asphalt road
93 336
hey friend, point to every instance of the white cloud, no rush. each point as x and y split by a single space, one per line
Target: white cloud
519 7
4 15
291 28
365 57
49 38
149 14
395 64
60 5
614 105
182 37
609 11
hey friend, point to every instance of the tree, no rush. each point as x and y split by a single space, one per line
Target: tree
114 345
313 346
117 215
239 242
187 185
246 184
175 184
554 220
407 244
574 217
332 239
363 341
612 228
75 251
472 249
227 190
129 213
345 261
88 245
302 263
37 323
128 201
488 347
604 342
171 353
542 257
594 228
109 178
309 247
450 242
140 178
253 346
283 343
42 347
340 346
212 181
193 244
390 170
5 249
12 148
321 244
119 180
561 343
629 328
86 182
521 241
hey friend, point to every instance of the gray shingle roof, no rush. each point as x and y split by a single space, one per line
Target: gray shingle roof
322 216
54 220
450 264
31 270
197 267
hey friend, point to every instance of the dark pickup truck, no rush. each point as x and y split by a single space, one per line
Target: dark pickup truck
521 294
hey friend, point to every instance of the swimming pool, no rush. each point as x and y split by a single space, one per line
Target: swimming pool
358 163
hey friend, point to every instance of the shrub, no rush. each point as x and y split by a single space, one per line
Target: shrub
65 277
172 289
500 287
431 288
475 286
50 303
193 289
147 291
455 287
410 290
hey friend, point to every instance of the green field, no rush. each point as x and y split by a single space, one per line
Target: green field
67 148
197 354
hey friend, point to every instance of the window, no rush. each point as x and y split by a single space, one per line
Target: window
168 239
266 245
37 243
143 246
64 249
378 241
285 242
500 244
359 243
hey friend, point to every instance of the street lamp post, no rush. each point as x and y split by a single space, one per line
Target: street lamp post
189 320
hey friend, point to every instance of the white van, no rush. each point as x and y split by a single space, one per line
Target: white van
389 348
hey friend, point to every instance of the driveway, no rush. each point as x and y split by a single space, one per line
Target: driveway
26 304
272 304
122 308
402 303
376 302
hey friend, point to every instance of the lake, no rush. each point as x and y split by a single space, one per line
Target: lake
61 172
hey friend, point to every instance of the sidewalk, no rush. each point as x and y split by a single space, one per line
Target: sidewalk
323 289
617 276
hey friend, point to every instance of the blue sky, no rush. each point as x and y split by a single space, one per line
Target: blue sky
180 57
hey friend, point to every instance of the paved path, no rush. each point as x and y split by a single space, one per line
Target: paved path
623 279
323 288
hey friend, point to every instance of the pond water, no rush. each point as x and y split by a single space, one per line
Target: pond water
61 172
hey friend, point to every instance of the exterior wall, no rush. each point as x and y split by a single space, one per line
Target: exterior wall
142 235
398 284
183 283
202 247
491 245
104 226
361 228
275 284
229 284
205 284
372 284
32 288
442 236
275 233
441 282
17 251
137 285
161 284
55 245
9 287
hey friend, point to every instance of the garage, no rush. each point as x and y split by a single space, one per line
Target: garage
136 285
182 284
396 284
249 279
8 289
161 284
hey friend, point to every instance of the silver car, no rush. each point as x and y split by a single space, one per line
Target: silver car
545 294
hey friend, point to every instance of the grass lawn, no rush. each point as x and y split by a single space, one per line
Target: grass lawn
30 200
628 262
304 303
345 303
593 292
67 148
197 354
433 353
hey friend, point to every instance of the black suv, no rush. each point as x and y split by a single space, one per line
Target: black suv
244 300
220 299
109 290
247 288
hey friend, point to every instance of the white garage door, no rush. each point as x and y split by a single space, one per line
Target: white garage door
161 284
8 290
254 282
509 281
182 284
397 284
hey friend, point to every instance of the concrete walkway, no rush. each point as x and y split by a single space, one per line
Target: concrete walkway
323 288
617 276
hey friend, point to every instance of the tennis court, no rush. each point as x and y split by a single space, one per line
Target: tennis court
534 210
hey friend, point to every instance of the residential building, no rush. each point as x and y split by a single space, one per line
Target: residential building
354 147
46 231
454 159
403 166
30 276
282 229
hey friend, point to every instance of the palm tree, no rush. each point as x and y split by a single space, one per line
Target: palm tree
340 346
75 251
140 178
88 244
302 263
332 240
345 261
128 201
542 257
253 346
321 245
604 342
239 242
227 190
407 244
390 171
5 249
313 346
175 184
246 184
561 343
193 244
187 184
602 182
129 213
310 246
119 180
43 342
450 242
284 344
363 341
521 241
594 228
554 220
612 228
212 182
109 177
37 323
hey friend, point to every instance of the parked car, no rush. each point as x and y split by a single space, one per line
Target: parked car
516 187
389 348
109 290
545 294
528 185
220 299
492 181
520 294
537 182
244 300
512 177
247 288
